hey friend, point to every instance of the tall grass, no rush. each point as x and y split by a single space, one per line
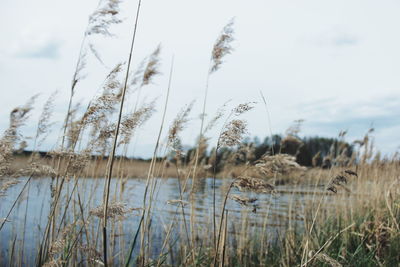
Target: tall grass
347 214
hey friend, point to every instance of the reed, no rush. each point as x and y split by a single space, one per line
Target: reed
268 211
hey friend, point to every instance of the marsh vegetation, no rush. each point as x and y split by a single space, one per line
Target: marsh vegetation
287 201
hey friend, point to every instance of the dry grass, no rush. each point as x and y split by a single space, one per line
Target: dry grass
96 168
351 216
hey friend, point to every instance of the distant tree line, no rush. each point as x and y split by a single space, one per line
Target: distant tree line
309 151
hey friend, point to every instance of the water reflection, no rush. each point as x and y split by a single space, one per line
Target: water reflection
273 211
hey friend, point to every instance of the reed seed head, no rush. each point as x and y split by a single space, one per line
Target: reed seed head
116 210
222 47
152 66
278 164
233 133
244 183
177 126
104 17
132 121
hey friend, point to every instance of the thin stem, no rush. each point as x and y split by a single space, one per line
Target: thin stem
221 221
203 115
111 158
269 122
129 257
150 173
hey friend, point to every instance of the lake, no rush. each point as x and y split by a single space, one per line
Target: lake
269 213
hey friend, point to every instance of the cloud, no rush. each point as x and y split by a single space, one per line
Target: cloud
337 37
362 107
34 45
49 50
326 117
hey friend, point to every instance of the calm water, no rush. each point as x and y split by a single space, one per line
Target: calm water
270 209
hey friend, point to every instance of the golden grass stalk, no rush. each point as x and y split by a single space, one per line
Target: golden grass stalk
111 163
221 48
150 174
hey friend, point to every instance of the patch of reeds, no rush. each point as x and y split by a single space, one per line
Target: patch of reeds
351 214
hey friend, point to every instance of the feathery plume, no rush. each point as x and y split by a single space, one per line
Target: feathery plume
222 46
295 128
96 54
78 74
177 126
103 141
18 116
278 164
132 121
6 185
115 210
244 201
243 108
37 170
44 119
104 17
105 103
253 184
340 181
137 75
232 133
218 115
152 66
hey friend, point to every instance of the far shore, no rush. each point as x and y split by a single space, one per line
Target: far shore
131 168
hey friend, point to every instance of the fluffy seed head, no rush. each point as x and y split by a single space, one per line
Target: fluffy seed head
222 46
253 184
116 210
151 69
104 17
132 121
278 164
177 126
233 133
243 108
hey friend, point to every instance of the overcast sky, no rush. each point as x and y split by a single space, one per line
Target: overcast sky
334 64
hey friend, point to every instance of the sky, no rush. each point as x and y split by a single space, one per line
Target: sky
334 64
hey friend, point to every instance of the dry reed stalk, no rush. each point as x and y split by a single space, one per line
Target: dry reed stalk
151 168
221 48
308 233
224 237
173 142
165 242
14 203
75 164
98 24
231 134
269 121
24 225
44 123
327 244
110 168
18 117
11 135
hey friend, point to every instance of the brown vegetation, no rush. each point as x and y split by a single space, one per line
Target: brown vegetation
352 216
